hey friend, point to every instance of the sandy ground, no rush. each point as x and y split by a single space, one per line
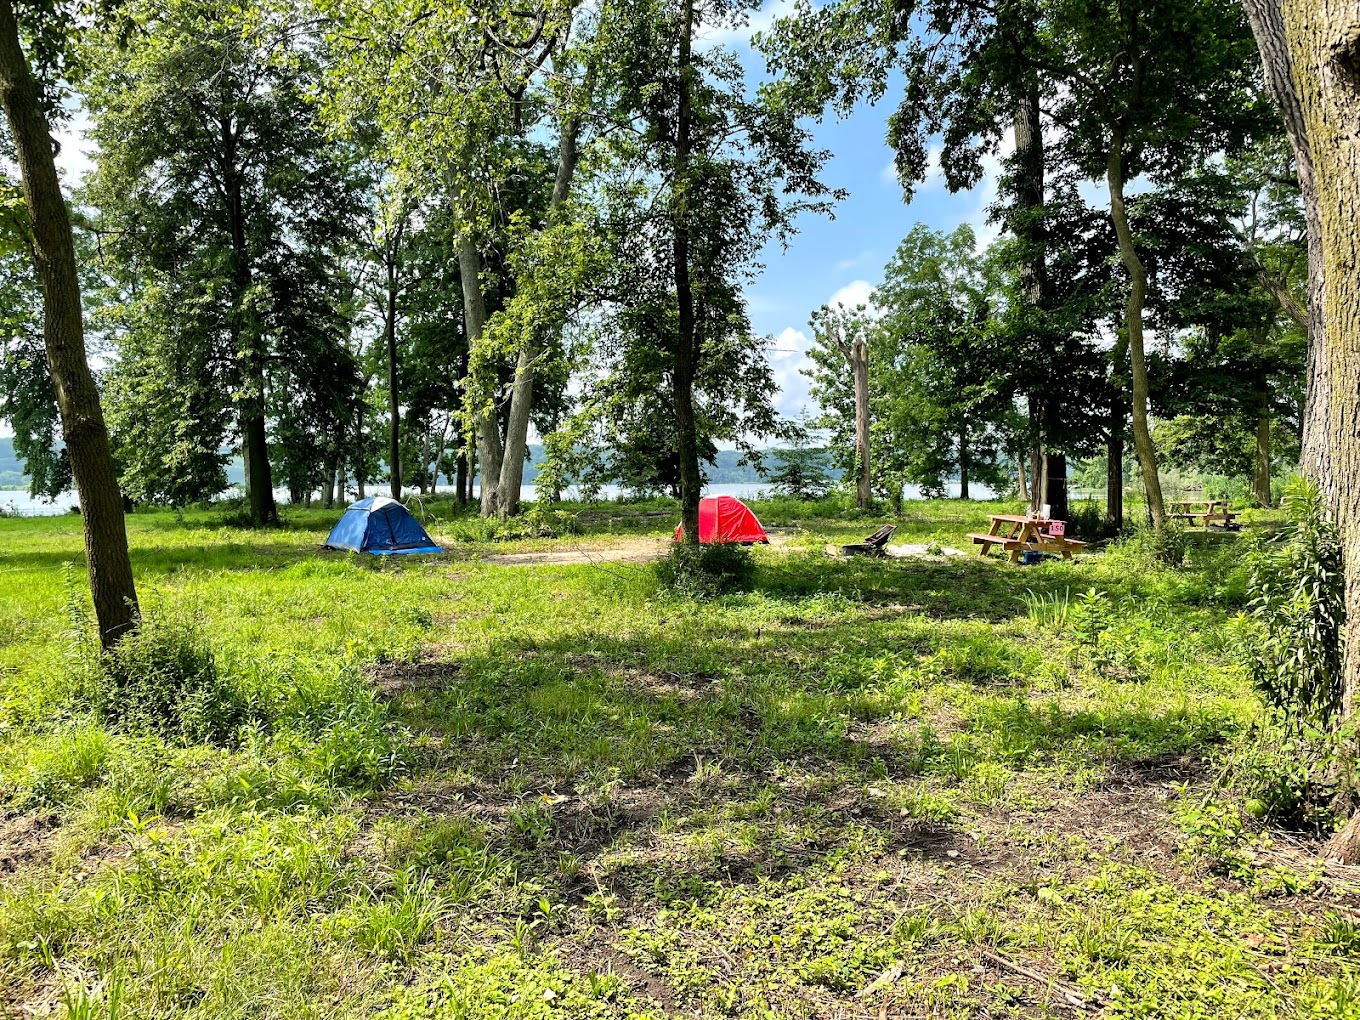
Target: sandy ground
626 550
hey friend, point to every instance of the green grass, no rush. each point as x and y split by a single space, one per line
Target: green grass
461 788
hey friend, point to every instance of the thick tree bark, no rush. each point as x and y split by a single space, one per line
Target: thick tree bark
82 418
1268 26
687 348
460 485
1050 469
1323 57
1133 318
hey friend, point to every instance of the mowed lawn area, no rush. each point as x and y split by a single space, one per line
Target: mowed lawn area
522 780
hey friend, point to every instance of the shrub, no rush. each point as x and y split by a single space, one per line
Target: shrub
1088 521
1288 778
705 571
1166 545
1298 595
160 679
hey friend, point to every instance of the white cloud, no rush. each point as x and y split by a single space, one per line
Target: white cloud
740 35
788 358
788 355
857 292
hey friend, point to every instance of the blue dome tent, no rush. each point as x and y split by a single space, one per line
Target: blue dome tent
381 526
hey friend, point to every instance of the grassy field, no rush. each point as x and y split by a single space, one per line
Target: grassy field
523 781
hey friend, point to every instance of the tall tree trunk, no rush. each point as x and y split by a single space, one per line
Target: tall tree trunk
439 455
460 485
1114 465
963 461
686 350
82 418
474 318
1133 317
1268 26
1260 477
1029 202
1323 39
423 477
248 343
1022 481
1055 474
392 255
332 475
511 475
864 480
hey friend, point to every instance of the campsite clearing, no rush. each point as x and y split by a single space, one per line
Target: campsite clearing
923 787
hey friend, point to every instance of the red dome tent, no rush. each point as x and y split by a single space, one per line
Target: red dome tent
726 519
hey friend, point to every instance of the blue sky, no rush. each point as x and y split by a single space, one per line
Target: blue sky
842 259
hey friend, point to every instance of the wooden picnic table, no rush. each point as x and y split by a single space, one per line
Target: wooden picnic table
1193 510
1016 534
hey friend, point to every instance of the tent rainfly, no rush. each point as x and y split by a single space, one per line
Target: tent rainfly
726 519
381 526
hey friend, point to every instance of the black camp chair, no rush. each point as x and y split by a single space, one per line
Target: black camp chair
875 545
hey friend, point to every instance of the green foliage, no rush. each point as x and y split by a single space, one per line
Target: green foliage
1166 546
1298 598
161 679
705 571
801 473
1289 778
1087 520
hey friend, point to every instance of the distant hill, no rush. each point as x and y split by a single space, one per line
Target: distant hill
727 471
11 467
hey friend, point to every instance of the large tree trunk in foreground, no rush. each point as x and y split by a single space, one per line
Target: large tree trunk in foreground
82 418
1268 25
1323 38
1133 319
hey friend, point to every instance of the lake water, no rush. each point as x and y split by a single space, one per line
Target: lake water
17 501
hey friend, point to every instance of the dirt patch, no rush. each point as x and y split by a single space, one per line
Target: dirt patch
23 841
596 955
393 678
638 550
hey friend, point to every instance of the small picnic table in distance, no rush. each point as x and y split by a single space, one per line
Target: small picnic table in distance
1016 534
1209 509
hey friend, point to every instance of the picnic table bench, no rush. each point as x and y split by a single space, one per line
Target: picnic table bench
1017 534
1208 510
874 545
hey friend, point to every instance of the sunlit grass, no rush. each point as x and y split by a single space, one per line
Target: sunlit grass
462 788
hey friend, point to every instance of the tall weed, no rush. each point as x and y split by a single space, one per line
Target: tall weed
161 679
1298 596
